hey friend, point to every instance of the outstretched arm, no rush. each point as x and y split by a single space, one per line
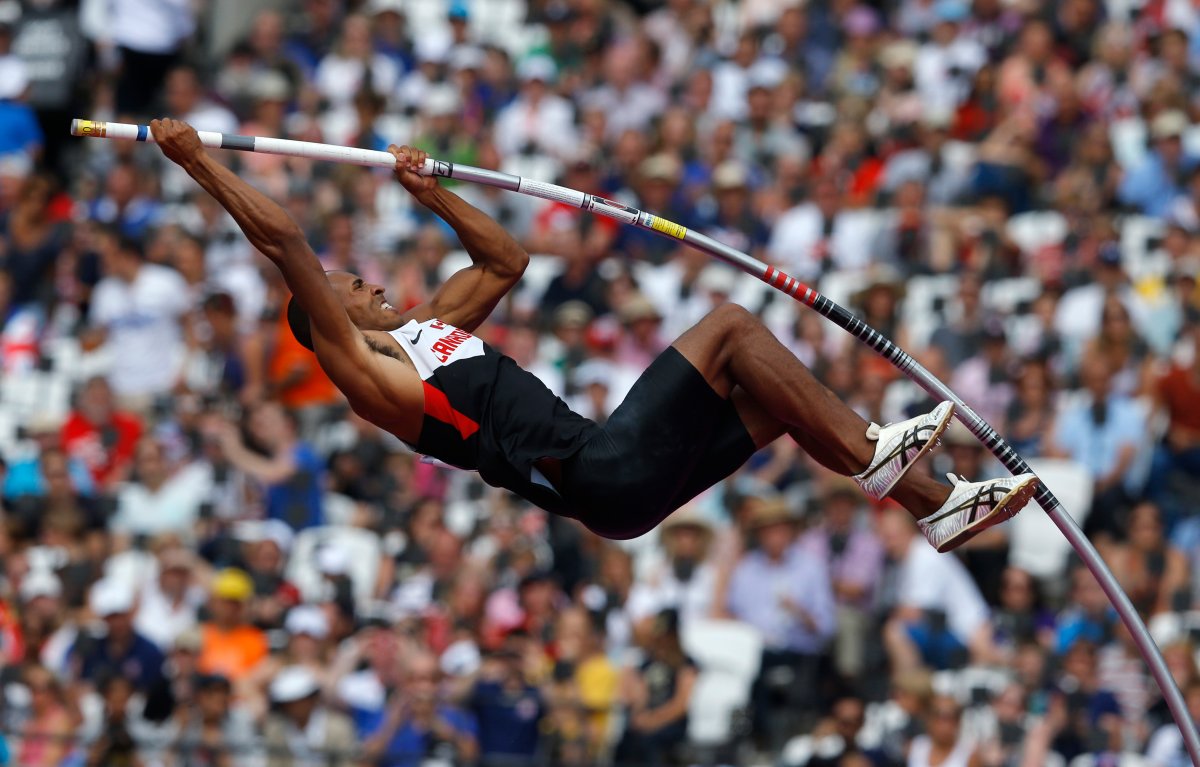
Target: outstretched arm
273 232
470 295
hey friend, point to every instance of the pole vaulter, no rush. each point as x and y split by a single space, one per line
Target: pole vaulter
772 277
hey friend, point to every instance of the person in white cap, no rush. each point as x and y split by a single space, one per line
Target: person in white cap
120 649
307 629
725 389
44 620
303 732
266 546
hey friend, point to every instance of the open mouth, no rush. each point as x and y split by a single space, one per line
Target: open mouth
387 307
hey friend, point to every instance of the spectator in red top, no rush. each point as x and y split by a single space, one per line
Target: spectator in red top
99 435
1178 392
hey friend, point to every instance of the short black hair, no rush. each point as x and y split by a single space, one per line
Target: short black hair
298 321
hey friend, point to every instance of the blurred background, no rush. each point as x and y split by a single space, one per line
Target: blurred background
206 559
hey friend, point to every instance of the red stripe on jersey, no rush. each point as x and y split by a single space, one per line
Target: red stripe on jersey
438 406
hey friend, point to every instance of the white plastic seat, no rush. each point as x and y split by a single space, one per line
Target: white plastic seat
1137 233
1035 230
729 654
362 553
1037 546
1005 296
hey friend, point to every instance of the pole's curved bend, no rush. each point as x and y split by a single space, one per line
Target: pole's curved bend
840 316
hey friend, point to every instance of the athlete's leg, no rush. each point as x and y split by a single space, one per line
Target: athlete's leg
731 348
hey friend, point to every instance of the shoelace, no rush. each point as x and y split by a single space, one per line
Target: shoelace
955 478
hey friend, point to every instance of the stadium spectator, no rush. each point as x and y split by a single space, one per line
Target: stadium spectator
46 629
115 744
302 729
508 709
685 581
100 435
943 741
1165 748
854 557
1021 615
230 646
46 736
1086 716
1176 388
158 499
168 603
419 725
289 472
1103 432
833 741
23 138
797 618
1153 573
1087 615
135 312
538 119
215 729
939 616
1154 185
656 695
120 650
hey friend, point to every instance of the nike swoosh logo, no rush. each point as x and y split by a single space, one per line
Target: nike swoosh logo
417 337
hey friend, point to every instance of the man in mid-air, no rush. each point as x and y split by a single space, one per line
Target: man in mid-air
723 390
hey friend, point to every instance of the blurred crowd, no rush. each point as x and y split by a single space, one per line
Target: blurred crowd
206 559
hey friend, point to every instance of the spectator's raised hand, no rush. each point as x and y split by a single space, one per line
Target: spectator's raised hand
220 430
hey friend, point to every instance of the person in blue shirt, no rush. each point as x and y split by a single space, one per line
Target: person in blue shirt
1105 432
290 470
20 133
1091 713
1088 617
509 711
418 725
1153 186
121 651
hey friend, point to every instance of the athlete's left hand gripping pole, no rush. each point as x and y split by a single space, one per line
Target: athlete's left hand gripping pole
776 279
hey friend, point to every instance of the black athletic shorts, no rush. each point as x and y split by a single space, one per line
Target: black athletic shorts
671 438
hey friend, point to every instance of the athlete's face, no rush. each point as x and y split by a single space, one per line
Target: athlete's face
364 302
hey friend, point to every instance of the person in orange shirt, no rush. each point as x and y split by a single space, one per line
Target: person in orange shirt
294 375
230 645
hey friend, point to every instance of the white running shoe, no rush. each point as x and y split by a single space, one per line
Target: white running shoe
974 507
898 446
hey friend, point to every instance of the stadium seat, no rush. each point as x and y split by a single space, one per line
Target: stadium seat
920 311
360 548
1035 230
728 654
539 273
1138 237
1128 137
1037 545
1007 296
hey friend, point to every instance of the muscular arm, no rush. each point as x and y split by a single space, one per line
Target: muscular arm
497 261
340 346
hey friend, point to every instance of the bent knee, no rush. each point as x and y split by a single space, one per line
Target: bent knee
730 317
